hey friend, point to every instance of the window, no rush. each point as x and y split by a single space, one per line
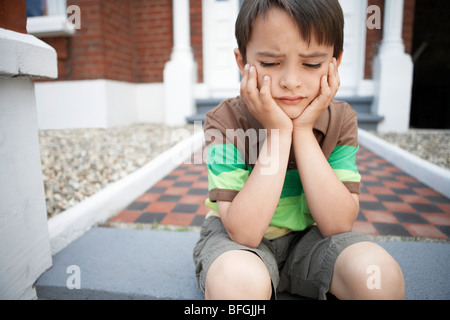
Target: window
48 18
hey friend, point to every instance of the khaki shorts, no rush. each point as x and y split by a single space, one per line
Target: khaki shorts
300 263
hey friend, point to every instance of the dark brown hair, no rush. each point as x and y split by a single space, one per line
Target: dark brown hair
321 19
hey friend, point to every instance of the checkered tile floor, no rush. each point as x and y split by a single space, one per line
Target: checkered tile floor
391 202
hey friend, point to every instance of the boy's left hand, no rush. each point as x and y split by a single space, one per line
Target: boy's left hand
329 85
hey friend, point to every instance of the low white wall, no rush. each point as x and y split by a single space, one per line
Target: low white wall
97 103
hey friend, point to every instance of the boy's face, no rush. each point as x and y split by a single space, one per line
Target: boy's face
277 49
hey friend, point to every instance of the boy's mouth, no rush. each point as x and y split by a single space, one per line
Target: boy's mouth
291 100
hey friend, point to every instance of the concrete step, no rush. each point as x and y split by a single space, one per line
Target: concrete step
362 105
110 263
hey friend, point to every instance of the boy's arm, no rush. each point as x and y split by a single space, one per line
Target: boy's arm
332 206
247 217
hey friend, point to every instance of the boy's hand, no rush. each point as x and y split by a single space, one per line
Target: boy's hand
260 102
329 85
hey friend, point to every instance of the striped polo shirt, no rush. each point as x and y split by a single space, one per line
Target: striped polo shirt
233 141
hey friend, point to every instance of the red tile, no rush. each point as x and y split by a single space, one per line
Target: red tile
368 177
176 191
162 207
192 199
164 183
187 177
364 227
398 207
200 185
426 192
437 218
411 198
380 173
380 216
444 207
380 190
203 210
424 230
126 216
367 197
395 184
178 219
148 197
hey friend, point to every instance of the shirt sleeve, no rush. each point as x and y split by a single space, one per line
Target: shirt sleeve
343 158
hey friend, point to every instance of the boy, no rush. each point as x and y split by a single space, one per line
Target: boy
282 220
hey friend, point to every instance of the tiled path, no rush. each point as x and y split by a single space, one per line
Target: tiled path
392 202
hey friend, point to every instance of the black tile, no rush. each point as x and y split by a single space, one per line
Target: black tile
185 208
198 192
151 217
183 184
410 217
403 191
194 173
361 216
169 198
425 207
156 190
438 199
171 177
388 197
365 205
445 230
205 178
198 221
139 206
391 229
373 183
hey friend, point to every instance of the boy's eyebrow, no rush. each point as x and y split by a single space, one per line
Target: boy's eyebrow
270 54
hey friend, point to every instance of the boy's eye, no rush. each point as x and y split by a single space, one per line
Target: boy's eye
268 64
313 66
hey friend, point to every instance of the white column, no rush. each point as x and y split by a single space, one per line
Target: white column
393 72
24 238
180 73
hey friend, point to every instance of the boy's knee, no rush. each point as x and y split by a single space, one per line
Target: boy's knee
367 271
238 275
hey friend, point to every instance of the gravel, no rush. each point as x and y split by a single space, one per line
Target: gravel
431 145
77 163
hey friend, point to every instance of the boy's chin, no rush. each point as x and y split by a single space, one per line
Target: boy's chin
293 112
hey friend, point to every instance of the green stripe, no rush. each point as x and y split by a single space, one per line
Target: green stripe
347 175
292 213
233 180
224 158
344 157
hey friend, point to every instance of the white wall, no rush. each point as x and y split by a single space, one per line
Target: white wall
97 104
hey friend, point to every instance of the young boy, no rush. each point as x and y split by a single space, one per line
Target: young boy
283 183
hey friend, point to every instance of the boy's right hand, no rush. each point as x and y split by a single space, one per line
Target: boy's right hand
260 102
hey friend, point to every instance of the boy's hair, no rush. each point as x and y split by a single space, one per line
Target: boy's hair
321 19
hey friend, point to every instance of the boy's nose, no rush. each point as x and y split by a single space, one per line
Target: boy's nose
290 80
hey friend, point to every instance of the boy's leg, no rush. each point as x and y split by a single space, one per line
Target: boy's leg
238 274
365 270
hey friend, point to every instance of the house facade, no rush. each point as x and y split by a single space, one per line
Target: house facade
115 60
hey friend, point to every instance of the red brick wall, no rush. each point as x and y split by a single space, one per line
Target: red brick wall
123 40
132 40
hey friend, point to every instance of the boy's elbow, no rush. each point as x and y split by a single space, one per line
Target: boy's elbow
248 240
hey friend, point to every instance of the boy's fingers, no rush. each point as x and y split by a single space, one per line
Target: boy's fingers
265 90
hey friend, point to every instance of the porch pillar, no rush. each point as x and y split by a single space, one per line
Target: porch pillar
393 73
24 238
180 73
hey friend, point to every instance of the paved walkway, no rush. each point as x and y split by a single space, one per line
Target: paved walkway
392 202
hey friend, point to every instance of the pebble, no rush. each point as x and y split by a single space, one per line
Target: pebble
430 145
76 163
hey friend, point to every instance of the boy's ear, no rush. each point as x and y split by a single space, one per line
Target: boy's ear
339 59
239 60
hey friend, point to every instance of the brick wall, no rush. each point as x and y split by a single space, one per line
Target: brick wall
132 40
123 40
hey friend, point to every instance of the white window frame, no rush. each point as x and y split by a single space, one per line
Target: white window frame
54 24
